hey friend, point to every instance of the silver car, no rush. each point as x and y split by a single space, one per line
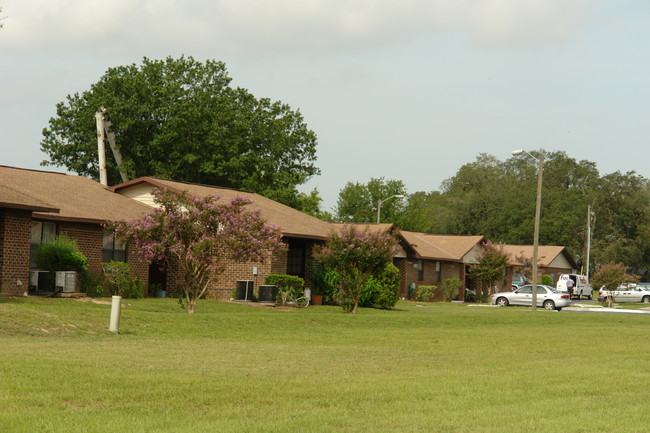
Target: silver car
627 293
547 297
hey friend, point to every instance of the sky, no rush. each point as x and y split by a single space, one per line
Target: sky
408 90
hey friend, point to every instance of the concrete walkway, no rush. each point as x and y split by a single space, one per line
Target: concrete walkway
577 307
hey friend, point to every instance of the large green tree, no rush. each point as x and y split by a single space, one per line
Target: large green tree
496 199
181 119
358 202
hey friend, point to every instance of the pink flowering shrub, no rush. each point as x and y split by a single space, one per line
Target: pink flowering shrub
199 235
355 256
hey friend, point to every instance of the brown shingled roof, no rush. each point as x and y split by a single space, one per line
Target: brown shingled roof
546 253
11 198
291 222
370 227
76 198
441 247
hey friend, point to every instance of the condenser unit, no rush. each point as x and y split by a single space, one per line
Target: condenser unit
39 281
66 281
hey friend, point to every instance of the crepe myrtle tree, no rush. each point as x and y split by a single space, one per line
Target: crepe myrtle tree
355 256
610 277
198 236
489 267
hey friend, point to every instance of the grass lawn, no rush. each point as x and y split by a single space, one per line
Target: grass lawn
234 368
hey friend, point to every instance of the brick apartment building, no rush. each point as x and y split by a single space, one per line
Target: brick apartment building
35 206
301 232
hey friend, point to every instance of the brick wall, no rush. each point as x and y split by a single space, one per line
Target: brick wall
89 238
410 275
15 234
220 287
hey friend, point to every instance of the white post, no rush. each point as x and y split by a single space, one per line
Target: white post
115 314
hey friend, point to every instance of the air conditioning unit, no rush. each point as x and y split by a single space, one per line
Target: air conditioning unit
33 280
66 281
39 281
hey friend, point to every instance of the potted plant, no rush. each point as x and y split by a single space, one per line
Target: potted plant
316 297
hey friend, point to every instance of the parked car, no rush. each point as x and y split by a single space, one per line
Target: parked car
518 281
547 297
627 293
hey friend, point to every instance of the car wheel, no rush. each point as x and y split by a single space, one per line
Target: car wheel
549 305
646 299
502 302
589 297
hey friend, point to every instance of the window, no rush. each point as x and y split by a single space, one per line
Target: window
420 270
113 249
296 257
438 273
41 232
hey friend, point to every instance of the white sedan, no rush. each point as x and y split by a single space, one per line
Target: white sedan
547 297
627 293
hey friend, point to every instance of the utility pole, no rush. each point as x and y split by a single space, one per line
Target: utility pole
104 130
588 238
101 149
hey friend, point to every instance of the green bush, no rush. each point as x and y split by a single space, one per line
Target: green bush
287 285
60 254
91 283
451 288
381 291
284 282
547 280
120 282
325 283
133 290
425 293
154 290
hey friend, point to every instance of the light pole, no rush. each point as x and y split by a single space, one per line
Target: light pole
538 206
380 201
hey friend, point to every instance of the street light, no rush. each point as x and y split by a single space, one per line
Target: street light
538 206
380 201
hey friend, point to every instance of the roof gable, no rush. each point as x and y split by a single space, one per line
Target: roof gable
443 247
550 256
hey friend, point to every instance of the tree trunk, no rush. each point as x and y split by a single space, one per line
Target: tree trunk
191 306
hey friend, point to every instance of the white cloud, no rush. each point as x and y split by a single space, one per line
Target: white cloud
254 25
